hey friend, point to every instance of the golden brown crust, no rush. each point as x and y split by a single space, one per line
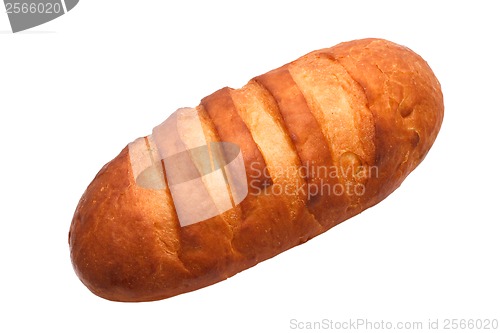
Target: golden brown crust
365 106
230 128
407 105
309 142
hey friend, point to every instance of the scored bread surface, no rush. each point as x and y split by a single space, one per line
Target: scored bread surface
362 105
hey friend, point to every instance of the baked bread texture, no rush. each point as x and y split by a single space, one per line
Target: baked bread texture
316 142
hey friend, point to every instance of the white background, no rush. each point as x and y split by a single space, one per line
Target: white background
75 91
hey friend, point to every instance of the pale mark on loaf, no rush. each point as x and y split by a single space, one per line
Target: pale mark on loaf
352 167
335 108
302 132
270 137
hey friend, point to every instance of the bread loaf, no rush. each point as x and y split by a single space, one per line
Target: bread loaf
252 172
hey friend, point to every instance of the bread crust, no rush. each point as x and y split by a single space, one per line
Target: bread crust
362 105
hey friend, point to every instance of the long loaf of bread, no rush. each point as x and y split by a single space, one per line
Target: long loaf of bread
252 172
